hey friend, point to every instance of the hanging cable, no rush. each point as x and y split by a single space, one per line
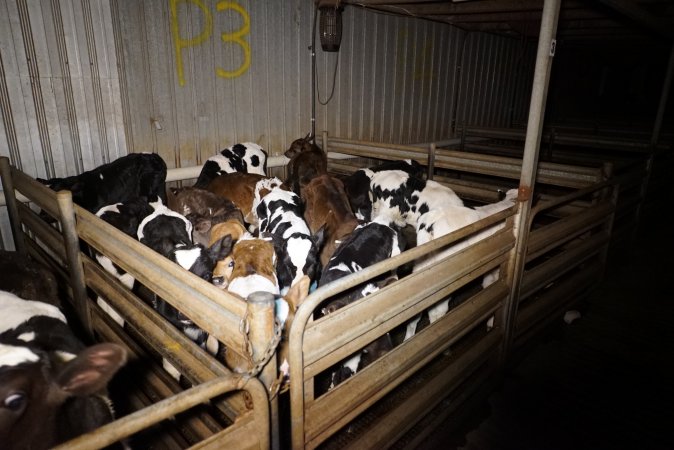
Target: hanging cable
315 71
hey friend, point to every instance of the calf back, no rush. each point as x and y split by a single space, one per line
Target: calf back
326 205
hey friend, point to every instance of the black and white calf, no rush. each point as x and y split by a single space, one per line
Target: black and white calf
170 234
164 229
125 216
442 221
52 387
400 198
280 215
200 261
133 175
367 245
357 185
247 157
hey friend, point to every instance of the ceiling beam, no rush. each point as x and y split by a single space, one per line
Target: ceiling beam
526 16
451 8
635 12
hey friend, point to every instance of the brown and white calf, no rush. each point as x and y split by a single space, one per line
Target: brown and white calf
250 267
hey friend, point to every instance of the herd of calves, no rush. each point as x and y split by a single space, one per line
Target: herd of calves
235 227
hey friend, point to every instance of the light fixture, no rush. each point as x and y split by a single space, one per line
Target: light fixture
330 25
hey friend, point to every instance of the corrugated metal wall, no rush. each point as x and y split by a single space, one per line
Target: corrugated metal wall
59 90
191 93
83 82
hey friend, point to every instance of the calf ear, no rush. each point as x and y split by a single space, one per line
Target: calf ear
221 248
202 225
92 369
298 292
319 236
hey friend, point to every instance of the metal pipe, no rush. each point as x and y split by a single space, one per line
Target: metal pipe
12 209
261 314
431 161
71 241
305 311
663 99
165 409
186 173
545 53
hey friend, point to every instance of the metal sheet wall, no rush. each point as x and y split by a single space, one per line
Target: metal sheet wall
396 78
59 90
84 82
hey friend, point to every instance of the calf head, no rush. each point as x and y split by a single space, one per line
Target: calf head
44 401
200 261
307 161
250 267
299 146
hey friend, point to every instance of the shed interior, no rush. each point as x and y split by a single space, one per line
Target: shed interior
567 101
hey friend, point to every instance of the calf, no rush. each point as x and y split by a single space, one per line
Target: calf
200 261
242 189
203 209
368 244
442 221
164 229
52 387
307 160
279 215
24 277
250 267
357 185
47 401
400 198
247 157
126 217
327 207
133 175
169 234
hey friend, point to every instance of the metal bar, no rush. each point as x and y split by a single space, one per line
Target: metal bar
305 312
151 379
345 330
47 234
403 416
261 314
431 161
12 209
544 57
201 301
71 241
361 391
38 193
165 409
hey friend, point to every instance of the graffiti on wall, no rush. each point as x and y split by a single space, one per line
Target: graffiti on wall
236 37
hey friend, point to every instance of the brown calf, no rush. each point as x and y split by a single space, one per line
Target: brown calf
326 204
307 161
240 188
204 210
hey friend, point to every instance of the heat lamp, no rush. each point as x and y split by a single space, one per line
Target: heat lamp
330 25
